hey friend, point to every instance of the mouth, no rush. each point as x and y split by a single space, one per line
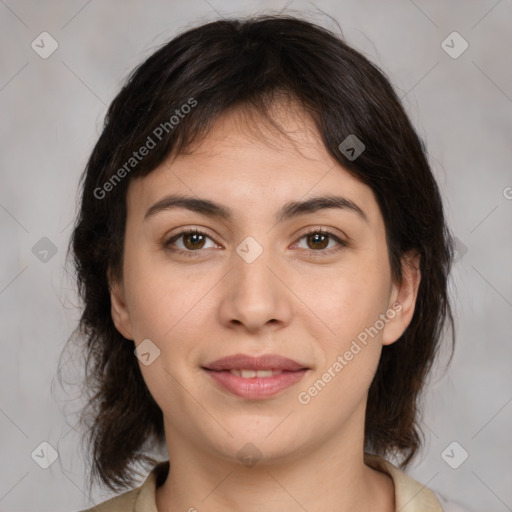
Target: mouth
255 377
251 374
266 362
255 385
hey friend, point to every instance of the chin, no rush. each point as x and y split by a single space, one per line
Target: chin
250 446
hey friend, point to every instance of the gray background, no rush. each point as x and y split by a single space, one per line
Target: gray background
52 111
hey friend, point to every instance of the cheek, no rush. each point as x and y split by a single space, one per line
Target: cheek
159 296
347 296
346 304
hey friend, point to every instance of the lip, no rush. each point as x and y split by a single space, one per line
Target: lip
255 388
247 362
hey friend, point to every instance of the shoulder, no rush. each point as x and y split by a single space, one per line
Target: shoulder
141 499
449 506
123 503
410 495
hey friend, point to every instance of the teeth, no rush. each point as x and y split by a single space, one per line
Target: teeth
249 374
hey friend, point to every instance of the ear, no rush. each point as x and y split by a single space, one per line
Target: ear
119 310
403 299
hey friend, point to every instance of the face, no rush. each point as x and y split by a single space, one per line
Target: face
309 284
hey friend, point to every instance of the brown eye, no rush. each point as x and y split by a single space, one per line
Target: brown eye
193 240
318 240
188 242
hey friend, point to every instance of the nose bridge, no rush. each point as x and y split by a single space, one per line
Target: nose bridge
254 295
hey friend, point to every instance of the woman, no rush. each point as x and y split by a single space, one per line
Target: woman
263 258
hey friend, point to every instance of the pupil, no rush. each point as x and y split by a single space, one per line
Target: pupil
196 237
315 237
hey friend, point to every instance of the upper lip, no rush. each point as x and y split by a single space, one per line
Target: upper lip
247 362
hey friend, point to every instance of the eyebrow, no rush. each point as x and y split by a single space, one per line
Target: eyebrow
288 211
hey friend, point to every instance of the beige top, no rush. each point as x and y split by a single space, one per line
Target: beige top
410 495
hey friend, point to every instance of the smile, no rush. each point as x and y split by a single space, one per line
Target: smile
250 374
256 384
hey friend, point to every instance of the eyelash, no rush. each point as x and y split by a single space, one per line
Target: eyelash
319 253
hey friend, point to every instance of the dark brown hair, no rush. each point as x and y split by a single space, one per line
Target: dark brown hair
251 62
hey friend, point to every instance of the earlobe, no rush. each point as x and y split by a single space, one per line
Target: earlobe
119 310
403 299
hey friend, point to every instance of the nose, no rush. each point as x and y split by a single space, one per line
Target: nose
255 297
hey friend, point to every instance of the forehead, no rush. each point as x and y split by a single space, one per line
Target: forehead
246 161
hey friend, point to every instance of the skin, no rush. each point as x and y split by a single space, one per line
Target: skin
290 301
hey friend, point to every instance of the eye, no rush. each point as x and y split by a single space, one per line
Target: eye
193 240
317 240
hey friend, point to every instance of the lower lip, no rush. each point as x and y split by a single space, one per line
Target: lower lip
257 388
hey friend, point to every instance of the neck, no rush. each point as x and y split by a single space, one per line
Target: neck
330 477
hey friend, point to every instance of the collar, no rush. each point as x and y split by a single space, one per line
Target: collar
410 495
